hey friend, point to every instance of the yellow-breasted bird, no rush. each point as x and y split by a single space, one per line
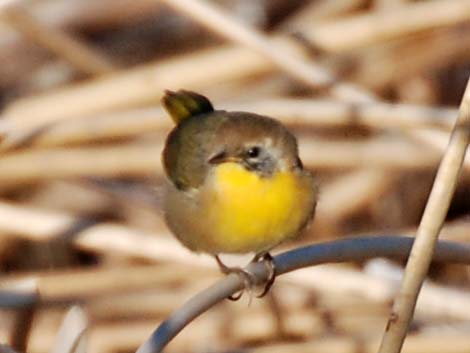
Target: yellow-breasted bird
236 182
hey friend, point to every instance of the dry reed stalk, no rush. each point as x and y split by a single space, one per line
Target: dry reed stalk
419 89
71 337
299 314
259 326
87 200
457 230
143 159
428 230
157 302
377 67
79 14
110 161
18 66
112 338
320 113
20 59
46 325
77 53
434 309
95 14
23 297
127 242
86 284
449 343
103 340
101 238
89 128
142 303
349 305
119 240
105 94
23 324
372 153
143 85
6 349
255 87
320 11
333 113
59 136
308 73
101 337
243 326
379 26
91 13
356 325
389 5
436 139
351 192
40 225
332 344
357 283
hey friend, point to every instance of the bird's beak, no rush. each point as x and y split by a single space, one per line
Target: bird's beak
223 158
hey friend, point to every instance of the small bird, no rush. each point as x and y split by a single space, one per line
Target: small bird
236 182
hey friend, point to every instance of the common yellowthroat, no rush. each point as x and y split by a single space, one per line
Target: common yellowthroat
236 182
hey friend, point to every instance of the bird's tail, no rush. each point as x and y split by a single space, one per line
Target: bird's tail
184 104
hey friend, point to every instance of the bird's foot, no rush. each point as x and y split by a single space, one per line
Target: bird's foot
246 276
267 260
248 280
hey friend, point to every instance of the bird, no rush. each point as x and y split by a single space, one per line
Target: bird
235 182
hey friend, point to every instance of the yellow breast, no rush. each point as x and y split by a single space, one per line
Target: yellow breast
253 213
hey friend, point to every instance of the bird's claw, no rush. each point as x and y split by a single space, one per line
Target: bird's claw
247 277
248 280
267 260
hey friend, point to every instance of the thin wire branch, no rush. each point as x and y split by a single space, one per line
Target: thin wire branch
337 251
17 299
428 231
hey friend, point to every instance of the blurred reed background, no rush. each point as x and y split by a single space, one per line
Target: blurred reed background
370 88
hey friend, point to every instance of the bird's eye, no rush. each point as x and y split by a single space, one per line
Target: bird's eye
253 152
